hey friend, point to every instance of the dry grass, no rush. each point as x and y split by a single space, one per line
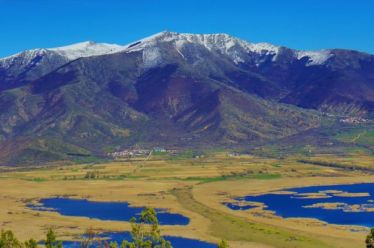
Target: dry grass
160 182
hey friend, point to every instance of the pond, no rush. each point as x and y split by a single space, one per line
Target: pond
177 242
336 204
114 211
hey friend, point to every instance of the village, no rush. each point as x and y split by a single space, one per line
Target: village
136 151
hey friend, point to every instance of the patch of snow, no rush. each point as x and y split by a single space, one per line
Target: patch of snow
151 57
22 58
180 53
314 57
86 49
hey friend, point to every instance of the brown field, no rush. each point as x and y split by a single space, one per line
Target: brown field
195 188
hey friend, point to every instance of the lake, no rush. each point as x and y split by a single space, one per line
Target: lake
336 204
114 211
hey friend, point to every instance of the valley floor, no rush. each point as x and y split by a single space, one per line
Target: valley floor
195 188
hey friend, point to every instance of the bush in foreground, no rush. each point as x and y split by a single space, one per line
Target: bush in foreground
8 240
223 244
370 239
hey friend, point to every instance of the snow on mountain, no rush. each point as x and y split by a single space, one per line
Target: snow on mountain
67 53
218 42
86 49
151 56
239 51
236 49
22 58
225 44
314 57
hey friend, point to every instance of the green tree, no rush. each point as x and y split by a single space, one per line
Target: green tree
51 241
146 233
370 239
223 244
8 240
113 245
31 243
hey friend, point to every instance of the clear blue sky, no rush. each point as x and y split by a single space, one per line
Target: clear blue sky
301 24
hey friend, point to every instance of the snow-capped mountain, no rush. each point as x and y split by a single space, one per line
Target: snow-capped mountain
71 52
289 73
169 88
239 51
225 44
31 64
86 49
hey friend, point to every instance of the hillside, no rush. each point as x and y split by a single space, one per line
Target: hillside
174 90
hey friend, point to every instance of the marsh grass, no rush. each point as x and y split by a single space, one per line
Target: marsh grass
234 228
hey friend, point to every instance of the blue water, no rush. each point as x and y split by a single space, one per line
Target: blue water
177 242
294 204
234 206
115 211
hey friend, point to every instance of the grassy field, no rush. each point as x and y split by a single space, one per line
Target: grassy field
361 136
195 187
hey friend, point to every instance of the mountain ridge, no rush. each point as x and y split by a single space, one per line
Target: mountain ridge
107 48
91 48
177 90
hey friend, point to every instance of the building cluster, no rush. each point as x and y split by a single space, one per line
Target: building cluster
354 120
137 152
130 153
234 154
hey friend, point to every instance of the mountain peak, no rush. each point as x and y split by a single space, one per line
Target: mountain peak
75 45
234 47
70 52
204 39
86 49
237 49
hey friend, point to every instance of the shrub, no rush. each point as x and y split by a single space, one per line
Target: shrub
370 239
223 244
